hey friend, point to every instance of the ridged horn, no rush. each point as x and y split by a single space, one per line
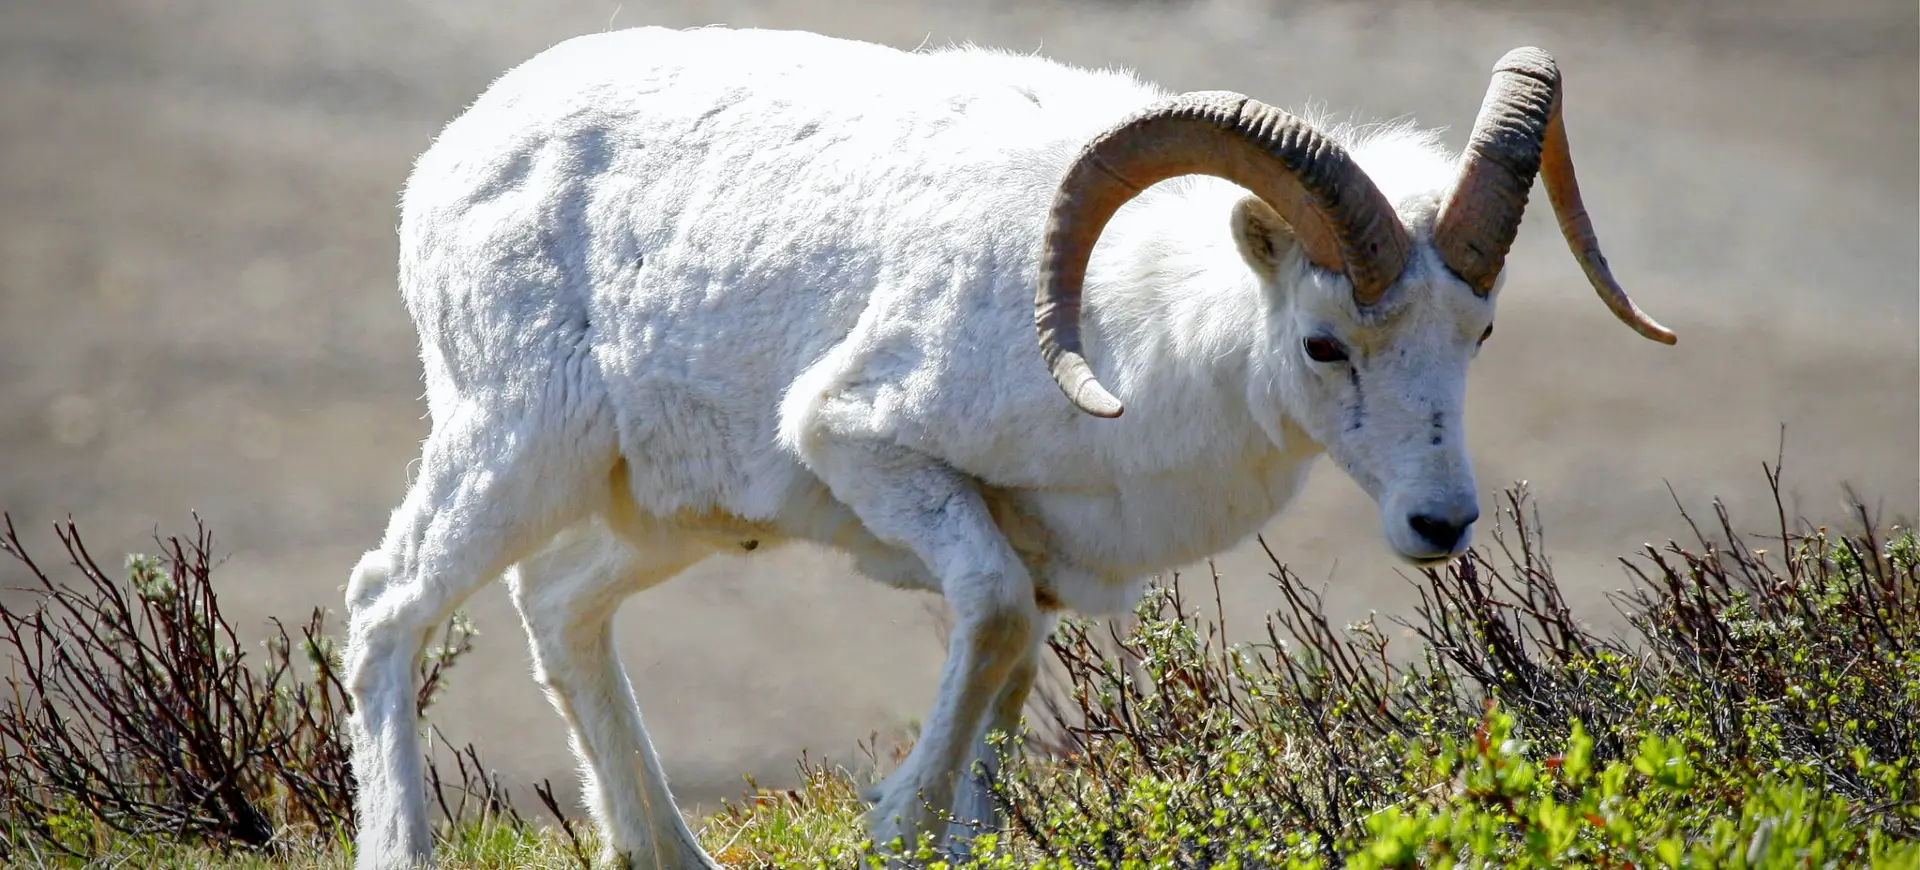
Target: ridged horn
1341 219
1519 133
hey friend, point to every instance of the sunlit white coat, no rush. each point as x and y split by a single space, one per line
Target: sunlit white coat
715 289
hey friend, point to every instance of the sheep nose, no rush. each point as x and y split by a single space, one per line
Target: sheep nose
1442 533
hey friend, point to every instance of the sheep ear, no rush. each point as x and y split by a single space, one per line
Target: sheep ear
1263 236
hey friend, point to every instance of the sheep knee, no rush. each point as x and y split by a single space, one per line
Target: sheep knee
1001 624
994 604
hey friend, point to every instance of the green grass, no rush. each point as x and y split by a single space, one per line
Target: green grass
1761 710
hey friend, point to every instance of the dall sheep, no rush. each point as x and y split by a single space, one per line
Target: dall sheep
682 291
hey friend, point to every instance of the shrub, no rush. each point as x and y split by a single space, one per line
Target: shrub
133 711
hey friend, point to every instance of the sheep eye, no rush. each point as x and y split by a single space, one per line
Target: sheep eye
1486 335
1323 349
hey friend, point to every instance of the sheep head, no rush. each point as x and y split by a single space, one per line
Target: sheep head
1375 313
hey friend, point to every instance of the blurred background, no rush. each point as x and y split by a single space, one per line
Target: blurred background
197 309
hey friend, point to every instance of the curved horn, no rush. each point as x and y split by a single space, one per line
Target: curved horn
1519 132
1342 221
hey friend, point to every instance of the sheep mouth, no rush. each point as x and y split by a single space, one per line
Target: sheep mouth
1426 560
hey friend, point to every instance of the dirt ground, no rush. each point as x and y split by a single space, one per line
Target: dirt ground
197 312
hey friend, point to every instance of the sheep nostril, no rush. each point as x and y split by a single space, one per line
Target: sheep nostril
1442 534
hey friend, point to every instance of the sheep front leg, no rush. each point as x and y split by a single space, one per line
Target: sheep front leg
913 502
986 647
974 810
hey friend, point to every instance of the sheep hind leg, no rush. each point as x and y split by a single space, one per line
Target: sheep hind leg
567 596
486 495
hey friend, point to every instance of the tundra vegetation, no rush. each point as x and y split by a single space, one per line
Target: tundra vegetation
1761 708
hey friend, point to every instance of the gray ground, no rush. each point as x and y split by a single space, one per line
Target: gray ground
197 203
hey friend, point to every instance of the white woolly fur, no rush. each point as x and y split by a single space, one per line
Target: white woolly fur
680 292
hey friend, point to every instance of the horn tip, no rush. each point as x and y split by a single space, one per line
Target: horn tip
1095 400
1639 322
1075 379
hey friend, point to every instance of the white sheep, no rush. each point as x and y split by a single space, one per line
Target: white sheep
680 292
